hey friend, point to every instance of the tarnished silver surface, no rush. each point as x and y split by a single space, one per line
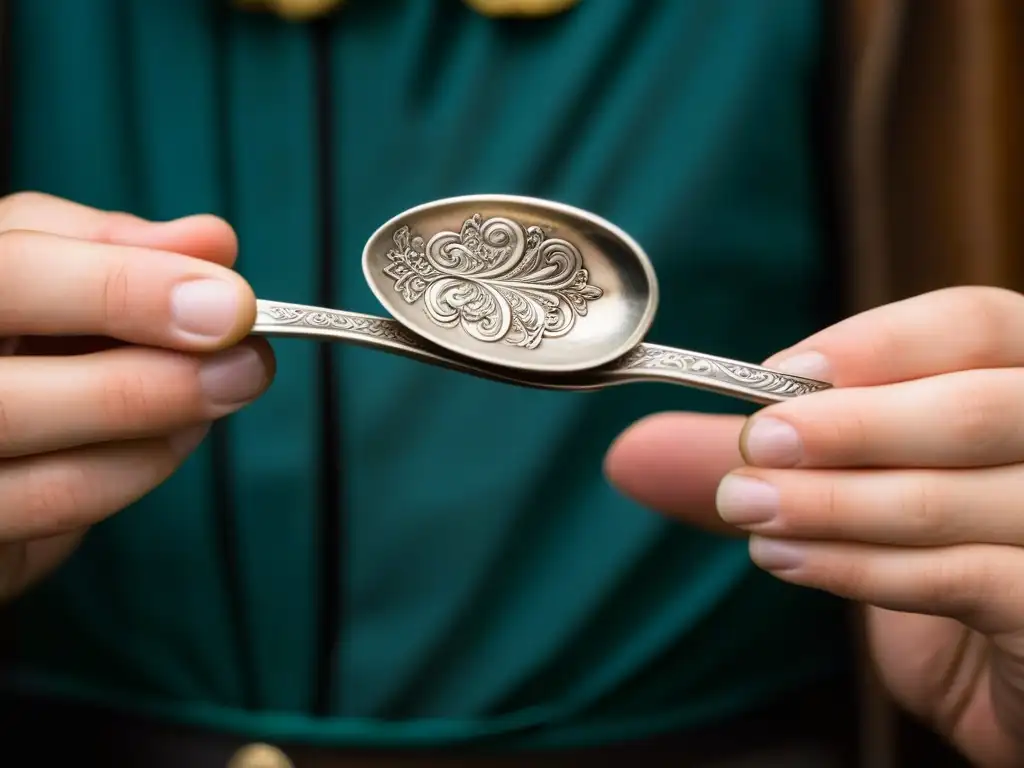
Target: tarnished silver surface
645 362
524 291
514 281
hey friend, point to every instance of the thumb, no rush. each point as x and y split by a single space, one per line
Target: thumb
202 236
673 463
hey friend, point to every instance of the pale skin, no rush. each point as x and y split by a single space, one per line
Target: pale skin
118 375
899 489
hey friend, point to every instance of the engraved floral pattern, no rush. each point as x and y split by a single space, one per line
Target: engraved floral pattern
649 357
645 361
495 279
378 328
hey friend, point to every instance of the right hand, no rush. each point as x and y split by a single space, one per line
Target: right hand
134 341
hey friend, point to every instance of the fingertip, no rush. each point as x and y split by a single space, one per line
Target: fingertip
234 378
213 310
202 236
266 352
211 238
623 452
673 462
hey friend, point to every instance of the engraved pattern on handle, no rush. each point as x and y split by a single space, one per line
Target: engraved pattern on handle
277 318
751 382
646 362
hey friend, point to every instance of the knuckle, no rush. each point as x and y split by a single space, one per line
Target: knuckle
959 583
128 398
848 575
115 296
985 313
56 497
888 339
846 439
108 225
17 206
822 512
921 508
820 509
148 394
832 502
16 245
19 249
978 422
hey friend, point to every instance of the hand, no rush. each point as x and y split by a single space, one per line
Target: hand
89 424
903 488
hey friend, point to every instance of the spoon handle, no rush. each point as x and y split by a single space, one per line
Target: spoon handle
277 318
646 362
653 362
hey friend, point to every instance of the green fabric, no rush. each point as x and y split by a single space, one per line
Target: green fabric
495 585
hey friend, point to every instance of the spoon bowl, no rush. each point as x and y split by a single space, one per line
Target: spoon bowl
516 282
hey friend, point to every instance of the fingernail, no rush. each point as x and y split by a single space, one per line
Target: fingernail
775 555
206 308
187 440
769 442
746 501
233 377
810 365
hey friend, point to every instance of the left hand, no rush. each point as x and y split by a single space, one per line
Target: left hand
902 488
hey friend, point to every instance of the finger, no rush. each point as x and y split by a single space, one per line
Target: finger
975 583
895 507
202 236
673 462
939 332
47 495
969 418
51 404
58 286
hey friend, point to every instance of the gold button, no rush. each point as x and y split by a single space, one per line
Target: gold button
292 10
260 756
525 8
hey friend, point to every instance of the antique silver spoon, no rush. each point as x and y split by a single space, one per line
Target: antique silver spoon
524 291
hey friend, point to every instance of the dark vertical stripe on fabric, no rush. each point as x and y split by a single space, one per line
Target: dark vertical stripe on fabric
6 97
130 131
220 454
330 525
828 139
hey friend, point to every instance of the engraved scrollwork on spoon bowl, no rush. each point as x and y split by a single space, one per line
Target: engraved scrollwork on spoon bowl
513 281
496 279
